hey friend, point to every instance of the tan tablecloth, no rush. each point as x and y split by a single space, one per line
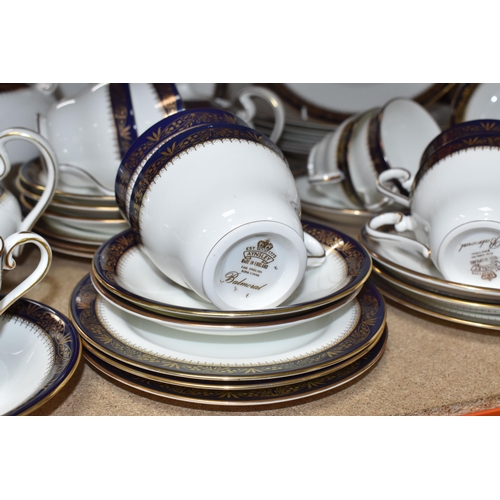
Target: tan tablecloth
430 367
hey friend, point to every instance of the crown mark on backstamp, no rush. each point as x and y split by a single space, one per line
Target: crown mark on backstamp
259 256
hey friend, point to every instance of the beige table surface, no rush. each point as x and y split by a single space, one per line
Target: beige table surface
430 367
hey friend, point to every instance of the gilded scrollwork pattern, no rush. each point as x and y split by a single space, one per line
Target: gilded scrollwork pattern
59 332
366 327
184 143
123 116
168 97
287 391
149 142
460 101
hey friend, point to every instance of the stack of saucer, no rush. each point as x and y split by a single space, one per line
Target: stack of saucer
413 281
78 220
149 333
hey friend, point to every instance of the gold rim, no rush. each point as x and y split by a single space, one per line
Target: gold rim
224 385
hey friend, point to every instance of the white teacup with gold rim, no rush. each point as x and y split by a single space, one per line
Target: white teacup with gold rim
455 215
7 249
217 210
93 130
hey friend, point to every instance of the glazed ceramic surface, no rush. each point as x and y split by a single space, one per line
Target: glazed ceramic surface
420 272
455 216
325 207
321 343
94 129
336 101
439 306
292 391
19 105
39 352
476 101
126 272
241 245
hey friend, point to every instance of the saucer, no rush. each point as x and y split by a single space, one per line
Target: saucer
120 267
435 305
320 343
39 352
319 205
294 391
421 272
217 328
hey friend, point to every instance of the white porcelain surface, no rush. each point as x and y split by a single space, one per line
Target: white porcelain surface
140 276
326 207
484 102
275 347
455 216
209 245
19 108
355 97
83 133
96 228
421 272
26 358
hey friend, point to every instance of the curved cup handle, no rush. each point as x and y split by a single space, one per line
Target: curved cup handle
320 178
249 111
401 223
50 162
8 263
316 252
46 88
387 188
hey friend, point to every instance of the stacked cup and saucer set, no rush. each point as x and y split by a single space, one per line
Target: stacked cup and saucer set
219 293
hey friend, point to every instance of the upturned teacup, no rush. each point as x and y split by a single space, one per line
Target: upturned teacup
93 130
216 209
454 209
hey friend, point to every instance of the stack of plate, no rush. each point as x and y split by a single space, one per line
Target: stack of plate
145 331
78 220
414 282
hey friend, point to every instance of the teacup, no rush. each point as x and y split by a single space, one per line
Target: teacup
153 138
475 101
381 138
93 130
11 219
216 210
455 213
8 247
19 105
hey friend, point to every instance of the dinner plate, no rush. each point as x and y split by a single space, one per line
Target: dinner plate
217 328
319 205
288 392
39 352
122 268
420 272
437 307
290 351
334 102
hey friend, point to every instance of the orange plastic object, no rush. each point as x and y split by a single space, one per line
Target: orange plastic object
492 412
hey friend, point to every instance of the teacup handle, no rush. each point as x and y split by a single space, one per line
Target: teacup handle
401 223
249 111
386 186
50 161
316 251
8 263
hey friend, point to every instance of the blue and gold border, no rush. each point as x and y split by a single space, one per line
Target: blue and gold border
66 342
359 264
123 116
149 141
370 323
460 101
181 144
168 97
466 135
289 391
